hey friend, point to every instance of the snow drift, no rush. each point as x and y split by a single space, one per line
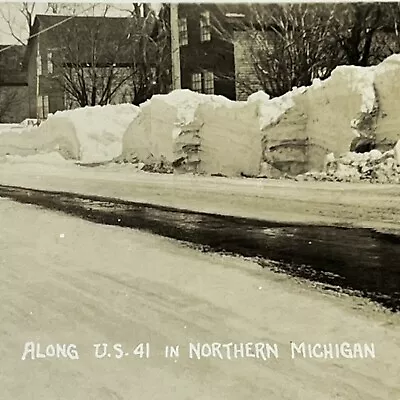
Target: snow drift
314 121
329 116
90 134
195 132
186 131
210 134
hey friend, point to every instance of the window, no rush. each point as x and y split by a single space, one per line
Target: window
203 82
196 83
208 82
50 62
205 27
183 32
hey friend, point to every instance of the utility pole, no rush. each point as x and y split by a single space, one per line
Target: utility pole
175 48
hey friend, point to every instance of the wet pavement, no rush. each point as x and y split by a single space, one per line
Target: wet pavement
361 261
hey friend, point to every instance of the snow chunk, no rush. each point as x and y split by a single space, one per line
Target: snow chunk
271 110
361 80
99 130
258 96
191 129
186 103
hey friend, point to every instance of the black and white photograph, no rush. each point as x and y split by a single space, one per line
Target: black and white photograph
199 200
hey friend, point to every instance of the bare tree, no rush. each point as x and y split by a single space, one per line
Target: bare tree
291 44
9 100
357 28
29 9
153 54
28 12
288 45
94 64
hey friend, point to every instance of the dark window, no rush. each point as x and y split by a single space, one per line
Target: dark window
183 32
196 82
203 82
205 27
208 82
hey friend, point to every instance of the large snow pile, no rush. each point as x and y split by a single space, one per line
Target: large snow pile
308 123
196 132
298 129
329 115
187 131
373 166
89 134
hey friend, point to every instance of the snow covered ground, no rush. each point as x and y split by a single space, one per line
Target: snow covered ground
68 281
346 204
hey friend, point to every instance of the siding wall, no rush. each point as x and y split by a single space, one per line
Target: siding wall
246 81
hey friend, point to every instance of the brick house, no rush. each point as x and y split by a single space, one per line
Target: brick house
207 57
214 56
81 61
14 105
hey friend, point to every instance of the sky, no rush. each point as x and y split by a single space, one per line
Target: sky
10 10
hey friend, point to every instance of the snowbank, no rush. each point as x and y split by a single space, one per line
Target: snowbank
196 132
304 125
222 140
187 131
297 129
90 134
95 132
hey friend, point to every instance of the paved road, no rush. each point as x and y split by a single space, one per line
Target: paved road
357 260
324 203
65 280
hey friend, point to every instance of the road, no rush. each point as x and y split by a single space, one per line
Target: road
66 280
324 203
358 261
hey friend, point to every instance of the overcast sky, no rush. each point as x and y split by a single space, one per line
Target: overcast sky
11 12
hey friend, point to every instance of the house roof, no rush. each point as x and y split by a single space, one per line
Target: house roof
108 23
236 16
